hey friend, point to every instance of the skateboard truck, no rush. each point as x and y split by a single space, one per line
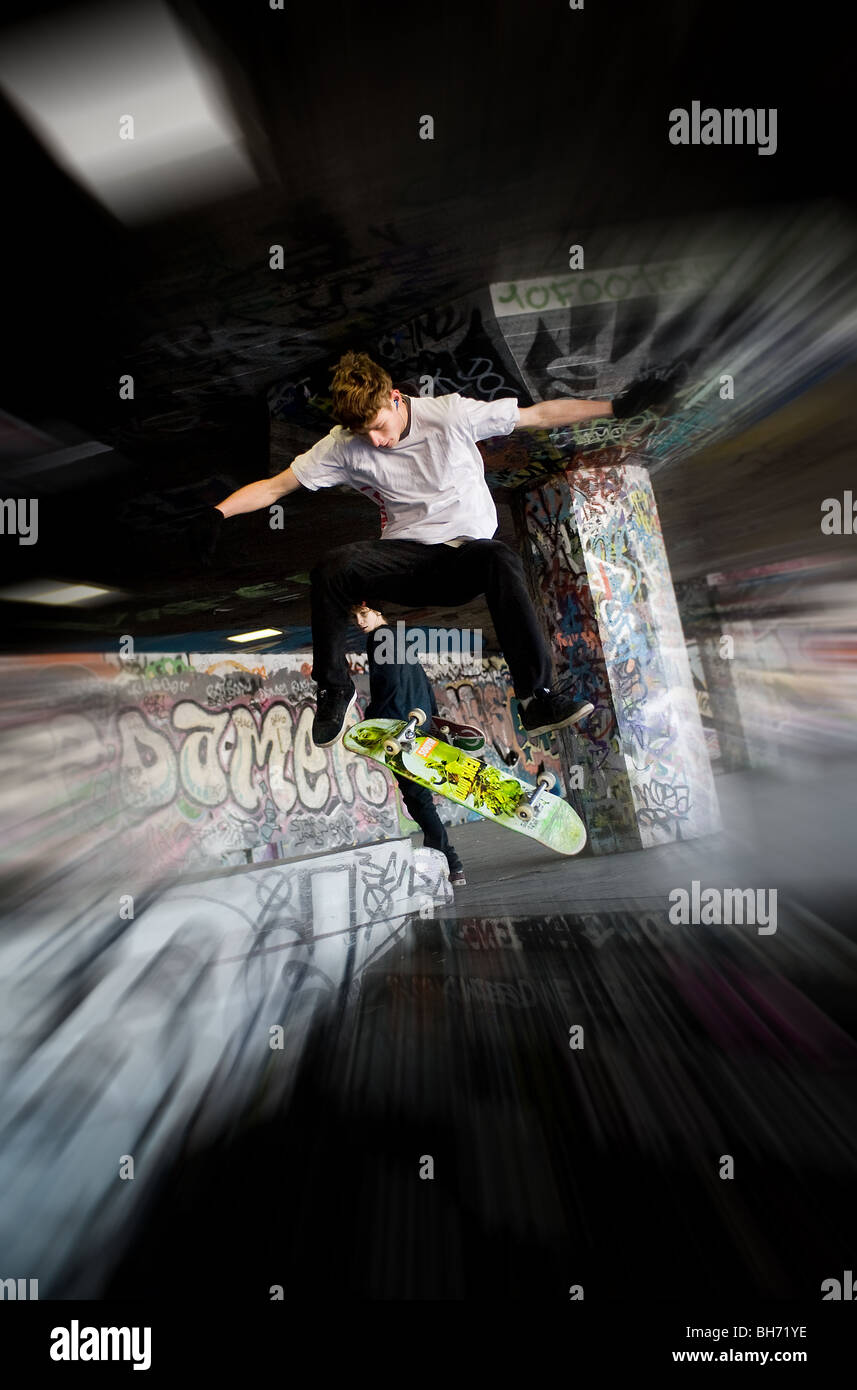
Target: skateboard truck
405 739
526 807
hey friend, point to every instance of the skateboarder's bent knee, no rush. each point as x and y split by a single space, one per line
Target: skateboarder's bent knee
339 559
495 552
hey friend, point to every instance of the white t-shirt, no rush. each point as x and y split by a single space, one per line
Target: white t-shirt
430 486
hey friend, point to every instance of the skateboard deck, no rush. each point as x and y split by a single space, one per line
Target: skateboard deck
468 781
465 736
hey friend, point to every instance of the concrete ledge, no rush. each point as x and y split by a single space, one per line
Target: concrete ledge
171 1024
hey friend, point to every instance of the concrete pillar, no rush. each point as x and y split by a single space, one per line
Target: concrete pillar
704 628
602 582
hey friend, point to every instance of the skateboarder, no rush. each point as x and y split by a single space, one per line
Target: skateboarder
416 457
395 688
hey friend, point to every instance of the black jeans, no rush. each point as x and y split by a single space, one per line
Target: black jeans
413 574
421 808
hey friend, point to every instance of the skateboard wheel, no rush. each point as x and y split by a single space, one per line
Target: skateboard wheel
547 780
418 714
391 746
525 811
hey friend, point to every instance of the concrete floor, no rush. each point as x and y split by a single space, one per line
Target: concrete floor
797 834
449 1134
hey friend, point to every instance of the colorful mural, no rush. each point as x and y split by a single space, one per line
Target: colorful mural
486 699
603 577
203 759
651 681
558 571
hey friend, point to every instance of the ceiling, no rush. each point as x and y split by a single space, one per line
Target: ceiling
550 129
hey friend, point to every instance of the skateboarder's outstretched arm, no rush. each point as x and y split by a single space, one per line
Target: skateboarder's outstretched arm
548 415
656 391
263 493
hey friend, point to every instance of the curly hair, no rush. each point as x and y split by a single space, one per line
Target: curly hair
360 388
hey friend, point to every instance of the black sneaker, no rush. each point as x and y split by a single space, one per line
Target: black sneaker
653 392
332 706
456 869
548 711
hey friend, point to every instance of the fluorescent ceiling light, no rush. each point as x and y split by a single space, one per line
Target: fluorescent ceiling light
48 591
255 636
77 77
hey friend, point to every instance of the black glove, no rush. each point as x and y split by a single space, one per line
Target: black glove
656 391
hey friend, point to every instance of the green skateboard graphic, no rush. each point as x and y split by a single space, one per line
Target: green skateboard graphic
468 781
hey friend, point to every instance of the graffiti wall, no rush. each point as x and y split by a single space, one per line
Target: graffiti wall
485 698
604 580
589 332
203 760
738 306
205 973
521 458
564 598
456 346
651 681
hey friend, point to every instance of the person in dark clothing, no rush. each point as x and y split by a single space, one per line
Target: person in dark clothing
395 688
417 459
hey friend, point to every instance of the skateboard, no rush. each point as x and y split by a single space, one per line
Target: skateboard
451 772
465 736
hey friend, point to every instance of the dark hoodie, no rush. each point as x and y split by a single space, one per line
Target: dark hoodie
395 688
